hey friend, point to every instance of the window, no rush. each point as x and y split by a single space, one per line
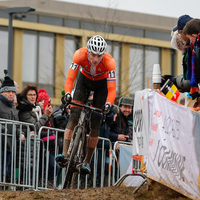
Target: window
152 56
46 58
128 31
101 27
71 45
57 21
158 35
72 23
114 49
3 51
30 17
142 59
136 68
172 62
38 60
3 13
29 71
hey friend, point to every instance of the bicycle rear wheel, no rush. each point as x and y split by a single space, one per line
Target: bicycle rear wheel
74 157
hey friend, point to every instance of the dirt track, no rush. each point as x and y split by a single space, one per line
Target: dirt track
155 191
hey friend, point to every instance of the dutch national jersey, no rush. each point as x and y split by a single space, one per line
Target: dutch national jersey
104 70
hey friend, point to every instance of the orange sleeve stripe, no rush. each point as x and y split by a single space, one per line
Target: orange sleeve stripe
111 85
70 80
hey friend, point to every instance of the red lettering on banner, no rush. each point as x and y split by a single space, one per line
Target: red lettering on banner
151 142
154 127
158 113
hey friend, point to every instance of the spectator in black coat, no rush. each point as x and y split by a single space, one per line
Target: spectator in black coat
122 127
8 111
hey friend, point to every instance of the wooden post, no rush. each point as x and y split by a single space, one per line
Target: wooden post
148 82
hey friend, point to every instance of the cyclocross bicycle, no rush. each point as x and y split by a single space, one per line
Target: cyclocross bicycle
75 152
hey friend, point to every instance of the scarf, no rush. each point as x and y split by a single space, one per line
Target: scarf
191 68
6 101
37 111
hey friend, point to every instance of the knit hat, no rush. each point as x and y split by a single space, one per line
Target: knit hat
42 95
126 101
8 84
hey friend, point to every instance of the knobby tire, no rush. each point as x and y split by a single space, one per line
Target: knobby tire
69 173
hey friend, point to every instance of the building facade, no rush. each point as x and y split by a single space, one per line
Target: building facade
44 42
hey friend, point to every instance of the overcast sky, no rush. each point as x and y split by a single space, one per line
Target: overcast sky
171 8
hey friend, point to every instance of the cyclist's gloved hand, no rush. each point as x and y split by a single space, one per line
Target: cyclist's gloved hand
106 108
66 98
195 95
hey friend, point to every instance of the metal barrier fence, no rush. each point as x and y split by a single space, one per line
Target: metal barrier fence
17 159
48 171
57 177
30 164
116 174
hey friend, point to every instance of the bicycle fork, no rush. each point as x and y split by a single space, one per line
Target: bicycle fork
77 158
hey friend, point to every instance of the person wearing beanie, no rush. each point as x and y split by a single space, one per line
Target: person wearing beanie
8 111
43 98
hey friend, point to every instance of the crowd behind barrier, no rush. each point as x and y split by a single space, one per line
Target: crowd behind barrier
17 167
28 165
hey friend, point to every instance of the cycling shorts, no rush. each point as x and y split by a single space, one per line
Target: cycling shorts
82 91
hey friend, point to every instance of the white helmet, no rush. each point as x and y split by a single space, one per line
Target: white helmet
97 45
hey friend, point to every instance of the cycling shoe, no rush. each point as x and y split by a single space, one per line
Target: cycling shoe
85 169
61 160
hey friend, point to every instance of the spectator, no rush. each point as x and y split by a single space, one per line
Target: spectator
192 30
30 112
8 111
180 42
104 132
60 118
29 109
116 102
122 127
17 87
17 91
43 100
182 21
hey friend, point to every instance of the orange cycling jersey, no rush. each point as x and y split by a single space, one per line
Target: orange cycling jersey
105 69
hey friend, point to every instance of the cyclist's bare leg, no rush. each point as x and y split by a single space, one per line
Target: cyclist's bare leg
92 143
67 139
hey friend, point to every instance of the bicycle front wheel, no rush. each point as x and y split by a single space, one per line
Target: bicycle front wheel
74 157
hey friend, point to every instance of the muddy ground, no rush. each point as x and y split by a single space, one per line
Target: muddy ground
152 191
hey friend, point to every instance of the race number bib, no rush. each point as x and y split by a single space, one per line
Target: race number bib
111 74
74 66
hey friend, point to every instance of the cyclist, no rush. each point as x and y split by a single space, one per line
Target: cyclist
98 75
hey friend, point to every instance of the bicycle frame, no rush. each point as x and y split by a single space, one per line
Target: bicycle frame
76 145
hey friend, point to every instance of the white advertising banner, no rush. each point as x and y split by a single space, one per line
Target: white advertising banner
140 123
172 158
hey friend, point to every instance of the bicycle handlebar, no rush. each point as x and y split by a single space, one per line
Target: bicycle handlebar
89 107
86 106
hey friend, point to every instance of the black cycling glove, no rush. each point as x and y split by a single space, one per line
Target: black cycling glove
66 99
